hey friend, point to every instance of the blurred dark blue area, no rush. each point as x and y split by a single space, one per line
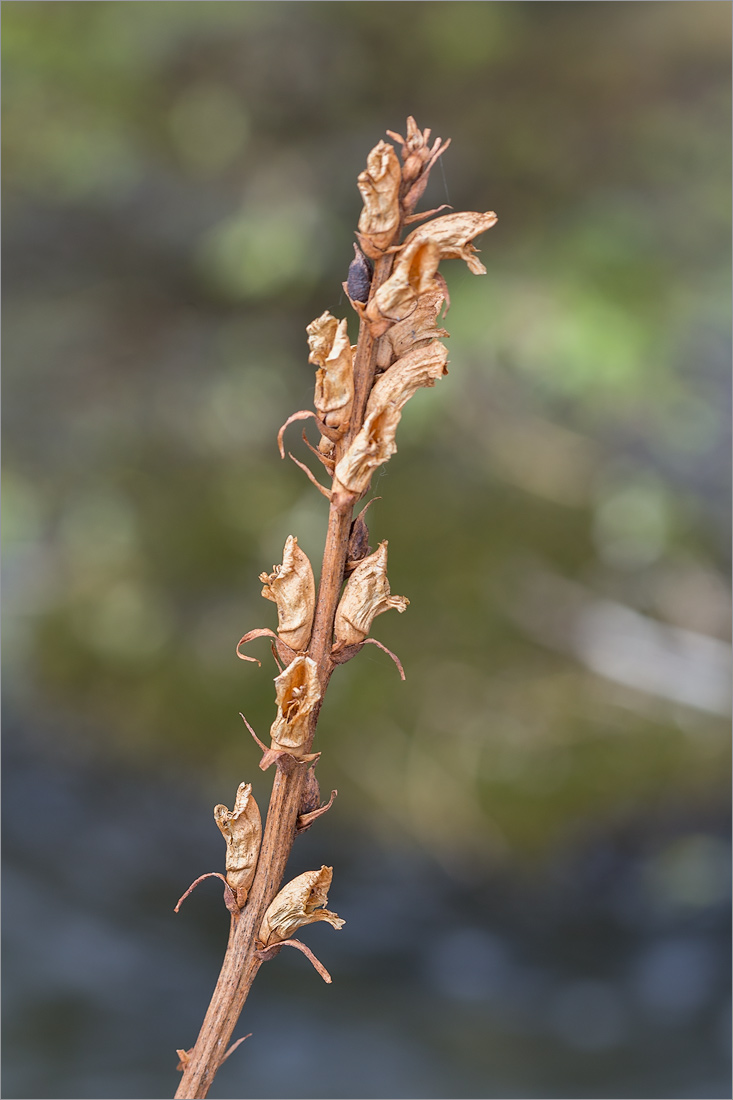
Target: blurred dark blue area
531 842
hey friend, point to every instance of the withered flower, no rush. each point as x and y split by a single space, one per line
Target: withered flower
297 691
242 831
375 443
415 330
366 595
292 587
372 446
332 353
379 185
298 904
416 265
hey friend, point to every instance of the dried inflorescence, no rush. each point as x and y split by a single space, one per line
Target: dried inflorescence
418 158
366 595
332 353
292 587
297 693
299 903
379 185
242 831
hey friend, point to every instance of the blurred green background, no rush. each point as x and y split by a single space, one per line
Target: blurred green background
530 842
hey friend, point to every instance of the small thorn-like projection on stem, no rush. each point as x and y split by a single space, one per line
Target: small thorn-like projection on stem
396 290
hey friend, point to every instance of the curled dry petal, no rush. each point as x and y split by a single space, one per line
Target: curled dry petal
292 587
366 595
299 903
453 233
375 443
379 185
242 831
297 693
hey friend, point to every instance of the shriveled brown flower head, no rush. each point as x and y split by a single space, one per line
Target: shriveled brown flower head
297 692
366 595
299 904
379 185
242 831
292 587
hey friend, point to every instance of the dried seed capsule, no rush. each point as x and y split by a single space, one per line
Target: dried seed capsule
242 831
359 546
359 279
299 904
366 595
297 692
292 587
379 185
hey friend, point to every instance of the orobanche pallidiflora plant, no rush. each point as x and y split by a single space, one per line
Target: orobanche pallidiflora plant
397 290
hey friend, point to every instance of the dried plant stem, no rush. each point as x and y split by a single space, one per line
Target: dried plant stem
398 301
240 961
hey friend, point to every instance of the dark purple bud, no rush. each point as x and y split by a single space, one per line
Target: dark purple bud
359 278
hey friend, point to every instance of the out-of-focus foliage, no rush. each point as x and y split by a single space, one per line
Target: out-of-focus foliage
179 202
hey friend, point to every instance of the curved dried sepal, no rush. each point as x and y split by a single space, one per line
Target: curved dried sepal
413 219
299 903
322 458
262 746
291 586
305 414
264 632
242 831
311 477
366 595
379 185
229 899
305 821
234 1046
297 692
317 964
395 658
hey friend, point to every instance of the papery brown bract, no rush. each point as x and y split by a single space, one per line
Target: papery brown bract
379 185
366 595
299 903
297 691
292 587
242 831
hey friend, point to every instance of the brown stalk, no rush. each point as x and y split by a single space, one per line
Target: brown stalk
244 955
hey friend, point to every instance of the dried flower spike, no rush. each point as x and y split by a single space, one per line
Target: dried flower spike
366 595
299 903
379 185
297 693
242 831
292 587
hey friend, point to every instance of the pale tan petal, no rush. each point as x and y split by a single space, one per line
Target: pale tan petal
298 904
297 693
321 335
453 234
413 274
366 595
335 382
379 185
292 587
242 831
